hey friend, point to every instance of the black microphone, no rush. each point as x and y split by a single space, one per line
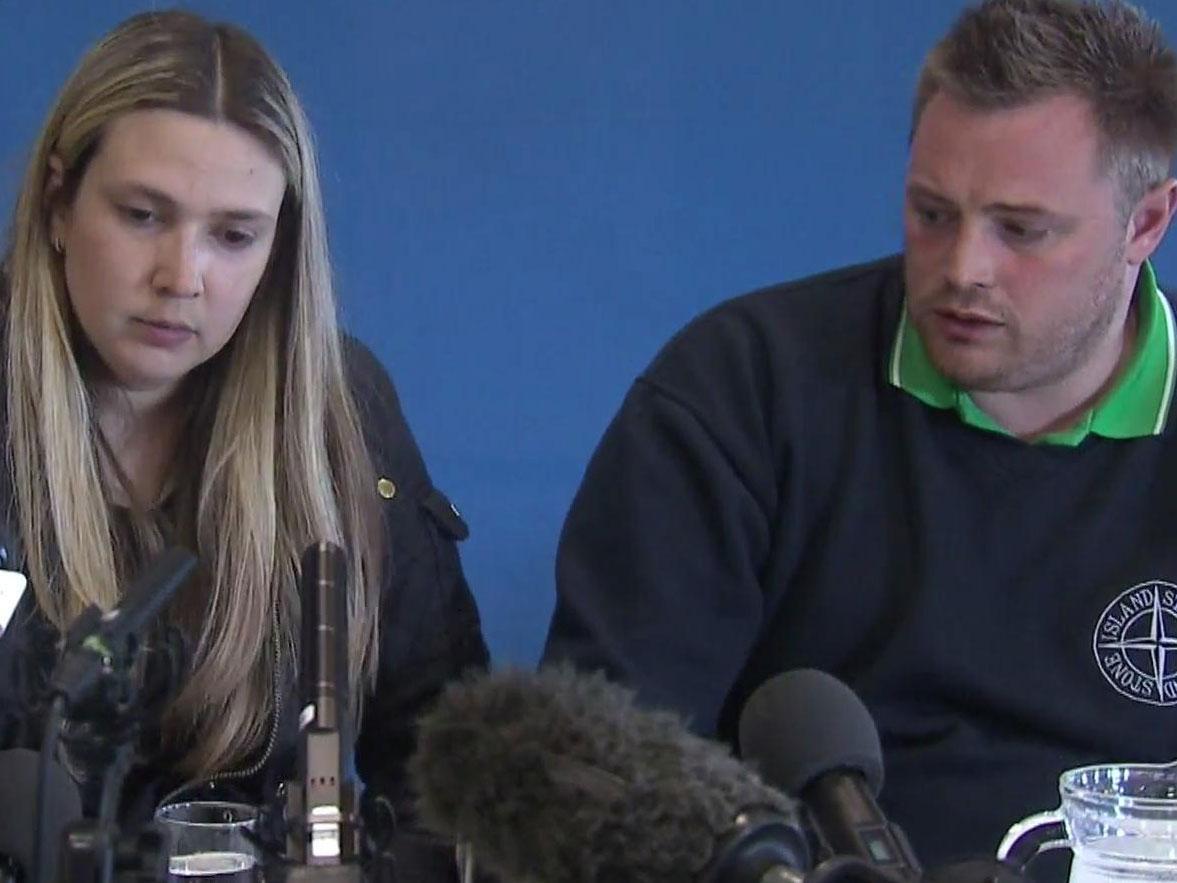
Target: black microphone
18 834
809 734
559 776
98 643
321 815
92 683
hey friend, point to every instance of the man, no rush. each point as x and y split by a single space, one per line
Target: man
948 478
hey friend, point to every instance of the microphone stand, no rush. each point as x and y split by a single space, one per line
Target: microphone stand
94 850
322 841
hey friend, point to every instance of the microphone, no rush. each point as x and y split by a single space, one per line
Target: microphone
18 834
557 775
808 733
321 815
92 683
100 644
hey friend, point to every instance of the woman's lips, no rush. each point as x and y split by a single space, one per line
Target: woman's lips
164 334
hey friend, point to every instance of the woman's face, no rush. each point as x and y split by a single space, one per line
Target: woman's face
165 242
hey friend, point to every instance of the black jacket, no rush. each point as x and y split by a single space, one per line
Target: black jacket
429 633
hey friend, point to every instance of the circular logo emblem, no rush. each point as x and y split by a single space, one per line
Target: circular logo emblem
1135 643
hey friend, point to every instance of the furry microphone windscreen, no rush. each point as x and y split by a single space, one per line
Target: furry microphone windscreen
559 776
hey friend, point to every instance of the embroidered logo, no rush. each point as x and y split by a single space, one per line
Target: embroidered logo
1136 643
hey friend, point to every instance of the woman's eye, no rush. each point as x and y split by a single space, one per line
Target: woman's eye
236 238
137 214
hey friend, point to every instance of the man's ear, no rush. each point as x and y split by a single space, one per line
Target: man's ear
1149 221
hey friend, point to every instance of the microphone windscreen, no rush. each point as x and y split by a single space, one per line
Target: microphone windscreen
803 723
560 776
18 792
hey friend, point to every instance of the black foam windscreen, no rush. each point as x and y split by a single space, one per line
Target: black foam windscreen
803 723
18 788
561 776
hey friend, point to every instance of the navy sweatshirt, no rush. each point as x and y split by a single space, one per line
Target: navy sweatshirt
766 499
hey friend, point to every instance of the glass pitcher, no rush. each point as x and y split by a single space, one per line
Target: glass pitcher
1119 821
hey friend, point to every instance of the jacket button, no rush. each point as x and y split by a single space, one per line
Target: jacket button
386 488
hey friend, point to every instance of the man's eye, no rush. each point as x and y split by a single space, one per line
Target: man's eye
1022 233
930 217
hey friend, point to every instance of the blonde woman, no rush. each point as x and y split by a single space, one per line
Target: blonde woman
174 374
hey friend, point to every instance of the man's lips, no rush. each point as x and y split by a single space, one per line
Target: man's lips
965 326
968 317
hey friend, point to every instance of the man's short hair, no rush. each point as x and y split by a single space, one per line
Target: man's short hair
1007 53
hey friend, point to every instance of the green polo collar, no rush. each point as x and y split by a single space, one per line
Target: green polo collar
1138 405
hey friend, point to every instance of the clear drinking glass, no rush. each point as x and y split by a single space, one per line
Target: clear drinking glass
207 840
1119 821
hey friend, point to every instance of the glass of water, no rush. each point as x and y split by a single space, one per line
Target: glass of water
208 839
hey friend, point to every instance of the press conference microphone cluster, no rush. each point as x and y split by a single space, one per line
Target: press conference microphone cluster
91 683
558 776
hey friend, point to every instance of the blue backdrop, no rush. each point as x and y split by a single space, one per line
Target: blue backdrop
526 197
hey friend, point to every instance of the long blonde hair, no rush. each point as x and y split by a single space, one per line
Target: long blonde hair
283 461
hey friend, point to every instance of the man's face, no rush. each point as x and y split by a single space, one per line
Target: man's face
1015 243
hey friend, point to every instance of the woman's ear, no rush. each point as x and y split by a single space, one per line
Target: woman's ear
54 181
